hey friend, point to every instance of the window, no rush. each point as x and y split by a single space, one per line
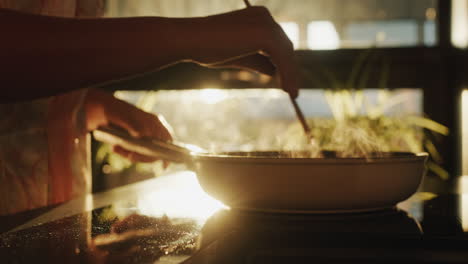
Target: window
430 38
260 119
317 24
381 33
464 125
459 21
292 30
322 35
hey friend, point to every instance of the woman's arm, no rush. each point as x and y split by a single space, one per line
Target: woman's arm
50 55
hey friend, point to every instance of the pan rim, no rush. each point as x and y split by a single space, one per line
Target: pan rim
403 157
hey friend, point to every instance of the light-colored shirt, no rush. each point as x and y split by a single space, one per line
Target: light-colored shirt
44 147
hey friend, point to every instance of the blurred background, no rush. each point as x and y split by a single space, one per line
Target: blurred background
379 75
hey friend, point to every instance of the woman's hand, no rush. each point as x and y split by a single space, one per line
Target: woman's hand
104 109
249 39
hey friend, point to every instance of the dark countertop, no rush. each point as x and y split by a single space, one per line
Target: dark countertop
170 220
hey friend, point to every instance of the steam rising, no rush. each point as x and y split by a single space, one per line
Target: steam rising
263 120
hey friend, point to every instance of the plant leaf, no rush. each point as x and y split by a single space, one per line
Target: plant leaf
350 84
431 148
438 170
429 124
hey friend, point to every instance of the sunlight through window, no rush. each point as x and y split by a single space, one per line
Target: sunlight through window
463 210
459 21
322 35
292 30
464 126
180 196
213 96
463 181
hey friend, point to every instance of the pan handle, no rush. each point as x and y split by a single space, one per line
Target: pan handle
145 146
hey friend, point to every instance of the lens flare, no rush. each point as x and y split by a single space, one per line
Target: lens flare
179 196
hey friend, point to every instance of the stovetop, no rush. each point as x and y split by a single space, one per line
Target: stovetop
375 237
427 228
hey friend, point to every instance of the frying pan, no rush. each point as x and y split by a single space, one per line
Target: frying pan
272 181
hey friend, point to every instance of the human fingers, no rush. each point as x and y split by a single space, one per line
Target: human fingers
103 109
151 126
252 62
287 72
280 50
132 156
219 41
277 47
137 122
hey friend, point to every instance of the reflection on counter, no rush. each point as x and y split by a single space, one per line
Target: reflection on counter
159 219
180 196
389 222
131 239
242 237
143 239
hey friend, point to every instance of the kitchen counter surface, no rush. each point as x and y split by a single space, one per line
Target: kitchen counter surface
170 220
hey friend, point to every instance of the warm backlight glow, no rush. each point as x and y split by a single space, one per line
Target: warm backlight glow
463 181
212 96
322 35
179 196
292 31
464 132
459 21
463 190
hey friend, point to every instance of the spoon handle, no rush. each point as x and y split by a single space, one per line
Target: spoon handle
301 117
152 148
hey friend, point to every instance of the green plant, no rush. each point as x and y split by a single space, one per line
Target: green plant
360 127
